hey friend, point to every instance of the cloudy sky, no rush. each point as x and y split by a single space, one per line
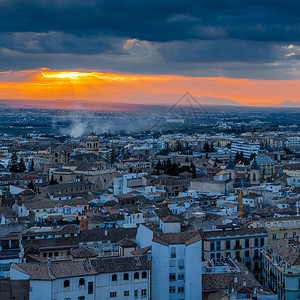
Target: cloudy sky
253 42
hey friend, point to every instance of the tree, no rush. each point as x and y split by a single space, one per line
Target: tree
30 185
31 166
53 181
159 165
193 168
206 147
13 163
21 165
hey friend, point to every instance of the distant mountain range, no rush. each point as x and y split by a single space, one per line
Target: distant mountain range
207 100
288 103
168 101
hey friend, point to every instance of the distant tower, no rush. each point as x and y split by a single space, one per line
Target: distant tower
230 170
92 143
254 172
262 150
265 163
60 154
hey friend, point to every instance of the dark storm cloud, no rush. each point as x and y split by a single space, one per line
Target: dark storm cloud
157 20
170 36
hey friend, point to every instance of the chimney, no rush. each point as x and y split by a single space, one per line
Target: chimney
149 255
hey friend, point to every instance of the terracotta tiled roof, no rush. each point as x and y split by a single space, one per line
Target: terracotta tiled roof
234 232
83 252
121 264
113 234
186 238
142 251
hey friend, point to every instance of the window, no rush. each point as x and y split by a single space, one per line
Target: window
172 290
114 277
228 246
81 281
173 252
218 245
255 242
113 294
298 283
136 275
144 275
282 224
212 256
66 283
292 223
274 236
294 234
172 277
212 246
50 254
81 298
90 287
219 255
228 254
126 293
125 276
180 276
55 253
247 253
136 293
285 235
247 243
181 289
287 223
144 293
44 254
237 244
262 242
256 254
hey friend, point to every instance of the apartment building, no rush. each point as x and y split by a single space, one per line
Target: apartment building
281 268
281 228
240 243
107 278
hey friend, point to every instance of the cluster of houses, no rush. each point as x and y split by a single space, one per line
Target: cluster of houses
104 219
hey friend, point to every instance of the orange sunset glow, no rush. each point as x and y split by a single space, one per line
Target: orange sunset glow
95 87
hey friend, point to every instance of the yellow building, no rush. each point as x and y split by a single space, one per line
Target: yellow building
92 143
241 243
281 228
